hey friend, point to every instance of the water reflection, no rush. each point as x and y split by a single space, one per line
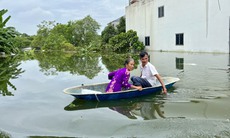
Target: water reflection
88 65
229 60
133 109
53 62
146 110
8 70
179 63
114 61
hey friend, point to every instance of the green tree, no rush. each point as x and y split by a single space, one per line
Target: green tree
126 42
42 34
64 35
4 135
80 33
69 33
64 30
121 26
22 41
6 35
85 31
3 22
108 33
53 42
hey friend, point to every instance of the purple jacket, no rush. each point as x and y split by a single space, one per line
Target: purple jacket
119 80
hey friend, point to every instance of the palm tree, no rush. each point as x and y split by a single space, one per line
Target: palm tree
6 35
3 22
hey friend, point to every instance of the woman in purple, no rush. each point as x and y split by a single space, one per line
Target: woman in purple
119 78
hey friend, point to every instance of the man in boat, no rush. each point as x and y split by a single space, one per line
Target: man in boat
148 75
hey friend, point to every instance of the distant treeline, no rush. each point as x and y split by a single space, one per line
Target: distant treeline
79 36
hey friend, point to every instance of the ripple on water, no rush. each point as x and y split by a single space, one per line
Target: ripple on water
198 93
196 103
176 128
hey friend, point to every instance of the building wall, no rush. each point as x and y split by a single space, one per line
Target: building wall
138 18
204 23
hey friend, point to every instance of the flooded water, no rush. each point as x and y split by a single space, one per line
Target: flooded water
33 105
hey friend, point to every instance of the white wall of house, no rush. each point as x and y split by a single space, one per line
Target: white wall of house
205 24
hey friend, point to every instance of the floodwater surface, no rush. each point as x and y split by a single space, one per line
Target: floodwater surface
32 102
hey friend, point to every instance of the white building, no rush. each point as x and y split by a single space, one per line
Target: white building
181 25
116 22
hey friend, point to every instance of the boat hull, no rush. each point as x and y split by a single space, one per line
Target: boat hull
97 96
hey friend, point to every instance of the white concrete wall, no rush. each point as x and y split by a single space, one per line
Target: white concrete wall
138 19
218 36
205 24
180 17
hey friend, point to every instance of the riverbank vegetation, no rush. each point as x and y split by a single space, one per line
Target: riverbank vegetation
80 36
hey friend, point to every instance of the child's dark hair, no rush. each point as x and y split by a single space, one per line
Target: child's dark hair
143 53
128 60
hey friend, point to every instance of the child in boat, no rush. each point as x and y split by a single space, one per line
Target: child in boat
119 78
149 74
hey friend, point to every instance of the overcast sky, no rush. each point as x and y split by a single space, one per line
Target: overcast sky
27 14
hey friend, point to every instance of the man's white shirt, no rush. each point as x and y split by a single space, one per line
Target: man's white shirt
148 72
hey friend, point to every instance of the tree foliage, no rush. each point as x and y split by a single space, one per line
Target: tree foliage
116 38
4 135
126 42
108 33
3 22
6 35
85 30
22 40
110 30
121 26
64 30
42 34
80 33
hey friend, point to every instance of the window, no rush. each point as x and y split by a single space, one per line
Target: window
147 41
180 39
161 11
